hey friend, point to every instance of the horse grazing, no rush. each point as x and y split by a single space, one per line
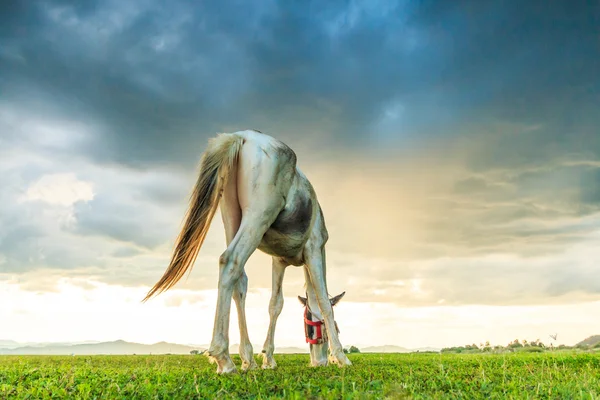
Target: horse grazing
266 203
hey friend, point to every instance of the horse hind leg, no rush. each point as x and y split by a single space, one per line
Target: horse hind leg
231 214
231 270
262 182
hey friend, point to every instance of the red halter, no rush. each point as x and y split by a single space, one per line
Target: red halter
308 322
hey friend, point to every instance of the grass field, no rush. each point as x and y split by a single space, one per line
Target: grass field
558 375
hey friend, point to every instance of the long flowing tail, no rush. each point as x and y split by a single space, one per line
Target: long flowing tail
215 167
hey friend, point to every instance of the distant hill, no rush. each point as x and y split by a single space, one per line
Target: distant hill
235 348
385 349
9 344
591 341
121 347
291 350
423 349
395 349
116 347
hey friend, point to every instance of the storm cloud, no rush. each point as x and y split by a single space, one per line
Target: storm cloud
432 131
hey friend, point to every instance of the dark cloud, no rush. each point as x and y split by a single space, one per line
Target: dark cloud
471 185
158 78
486 111
126 252
590 187
486 279
123 235
106 216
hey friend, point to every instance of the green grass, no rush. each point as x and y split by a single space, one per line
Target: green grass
558 375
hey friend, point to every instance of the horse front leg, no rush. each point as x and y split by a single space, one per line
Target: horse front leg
315 263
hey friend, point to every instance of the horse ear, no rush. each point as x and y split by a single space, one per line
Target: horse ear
337 299
302 300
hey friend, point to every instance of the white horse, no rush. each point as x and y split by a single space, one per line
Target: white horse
266 203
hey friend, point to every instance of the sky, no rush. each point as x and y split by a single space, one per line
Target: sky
454 148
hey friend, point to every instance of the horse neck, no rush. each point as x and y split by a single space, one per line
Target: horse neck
313 305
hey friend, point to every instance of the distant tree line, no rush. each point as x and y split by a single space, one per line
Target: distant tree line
535 346
351 350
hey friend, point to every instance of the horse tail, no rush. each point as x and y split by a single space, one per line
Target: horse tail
216 166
